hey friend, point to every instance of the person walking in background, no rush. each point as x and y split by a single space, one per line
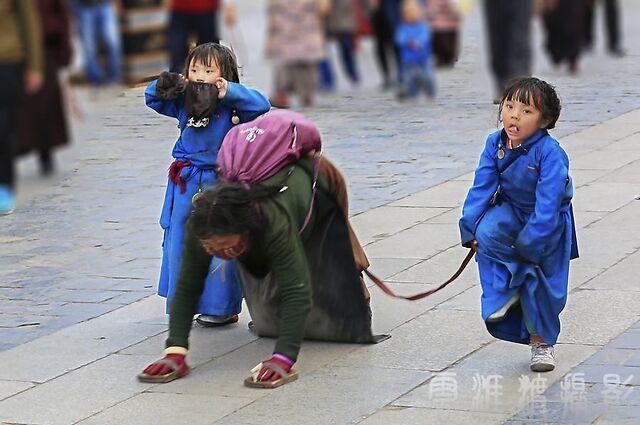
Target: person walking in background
518 218
295 45
385 16
97 22
564 31
340 25
444 19
47 103
413 38
612 15
508 25
187 18
21 65
207 101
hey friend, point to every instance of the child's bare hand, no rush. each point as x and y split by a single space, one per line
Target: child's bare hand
221 84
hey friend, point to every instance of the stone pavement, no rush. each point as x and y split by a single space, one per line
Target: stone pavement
78 262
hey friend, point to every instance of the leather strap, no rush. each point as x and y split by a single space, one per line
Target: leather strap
380 284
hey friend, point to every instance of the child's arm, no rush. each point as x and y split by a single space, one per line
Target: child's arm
485 184
401 36
248 103
164 95
550 192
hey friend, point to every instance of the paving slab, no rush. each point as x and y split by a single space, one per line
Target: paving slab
167 409
362 392
495 378
73 397
425 343
424 416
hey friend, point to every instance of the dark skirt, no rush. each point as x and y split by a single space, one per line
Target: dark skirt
340 312
564 29
42 124
445 47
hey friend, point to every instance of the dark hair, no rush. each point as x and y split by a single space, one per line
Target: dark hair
228 208
543 94
221 55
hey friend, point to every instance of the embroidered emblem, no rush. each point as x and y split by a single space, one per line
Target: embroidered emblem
500 154
200 123
253 132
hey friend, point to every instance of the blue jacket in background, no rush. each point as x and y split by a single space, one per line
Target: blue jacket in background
414 42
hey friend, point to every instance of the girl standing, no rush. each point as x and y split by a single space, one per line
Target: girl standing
518 218
207 102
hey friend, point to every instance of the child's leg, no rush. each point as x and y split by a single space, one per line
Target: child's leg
222 295
429 80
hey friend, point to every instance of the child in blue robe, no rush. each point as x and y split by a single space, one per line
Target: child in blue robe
518 217
210 69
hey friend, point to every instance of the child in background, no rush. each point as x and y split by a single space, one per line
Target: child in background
295 45
413 38
444 18
518 217
207 102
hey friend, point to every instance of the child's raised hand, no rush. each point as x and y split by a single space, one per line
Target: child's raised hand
221 84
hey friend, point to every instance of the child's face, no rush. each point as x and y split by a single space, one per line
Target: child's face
521 120
411 11
202 73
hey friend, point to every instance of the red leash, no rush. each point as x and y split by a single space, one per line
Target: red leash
380 284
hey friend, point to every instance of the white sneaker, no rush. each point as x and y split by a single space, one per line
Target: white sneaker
502 311
542 358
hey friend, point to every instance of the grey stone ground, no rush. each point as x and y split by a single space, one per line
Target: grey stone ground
80 257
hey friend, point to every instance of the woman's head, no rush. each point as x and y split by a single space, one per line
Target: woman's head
528 104
209 61
225 216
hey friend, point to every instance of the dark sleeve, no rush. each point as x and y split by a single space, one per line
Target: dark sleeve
193 272
288 264
485 184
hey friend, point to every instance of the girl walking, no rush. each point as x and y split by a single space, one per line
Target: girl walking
518 217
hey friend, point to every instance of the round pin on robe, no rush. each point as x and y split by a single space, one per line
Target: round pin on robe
500 154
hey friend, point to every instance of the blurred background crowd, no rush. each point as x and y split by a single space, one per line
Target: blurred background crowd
49 46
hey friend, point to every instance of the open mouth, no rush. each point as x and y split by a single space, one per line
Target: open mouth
513 129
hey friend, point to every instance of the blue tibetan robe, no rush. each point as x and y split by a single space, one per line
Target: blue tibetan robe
200 145
522 218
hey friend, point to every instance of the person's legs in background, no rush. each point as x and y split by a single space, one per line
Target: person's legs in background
587 34
381 33
178 32
304 79
519 34
206 28
494 26
346 44
10 75
109 34
613 27
325 71
86 20
282 76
